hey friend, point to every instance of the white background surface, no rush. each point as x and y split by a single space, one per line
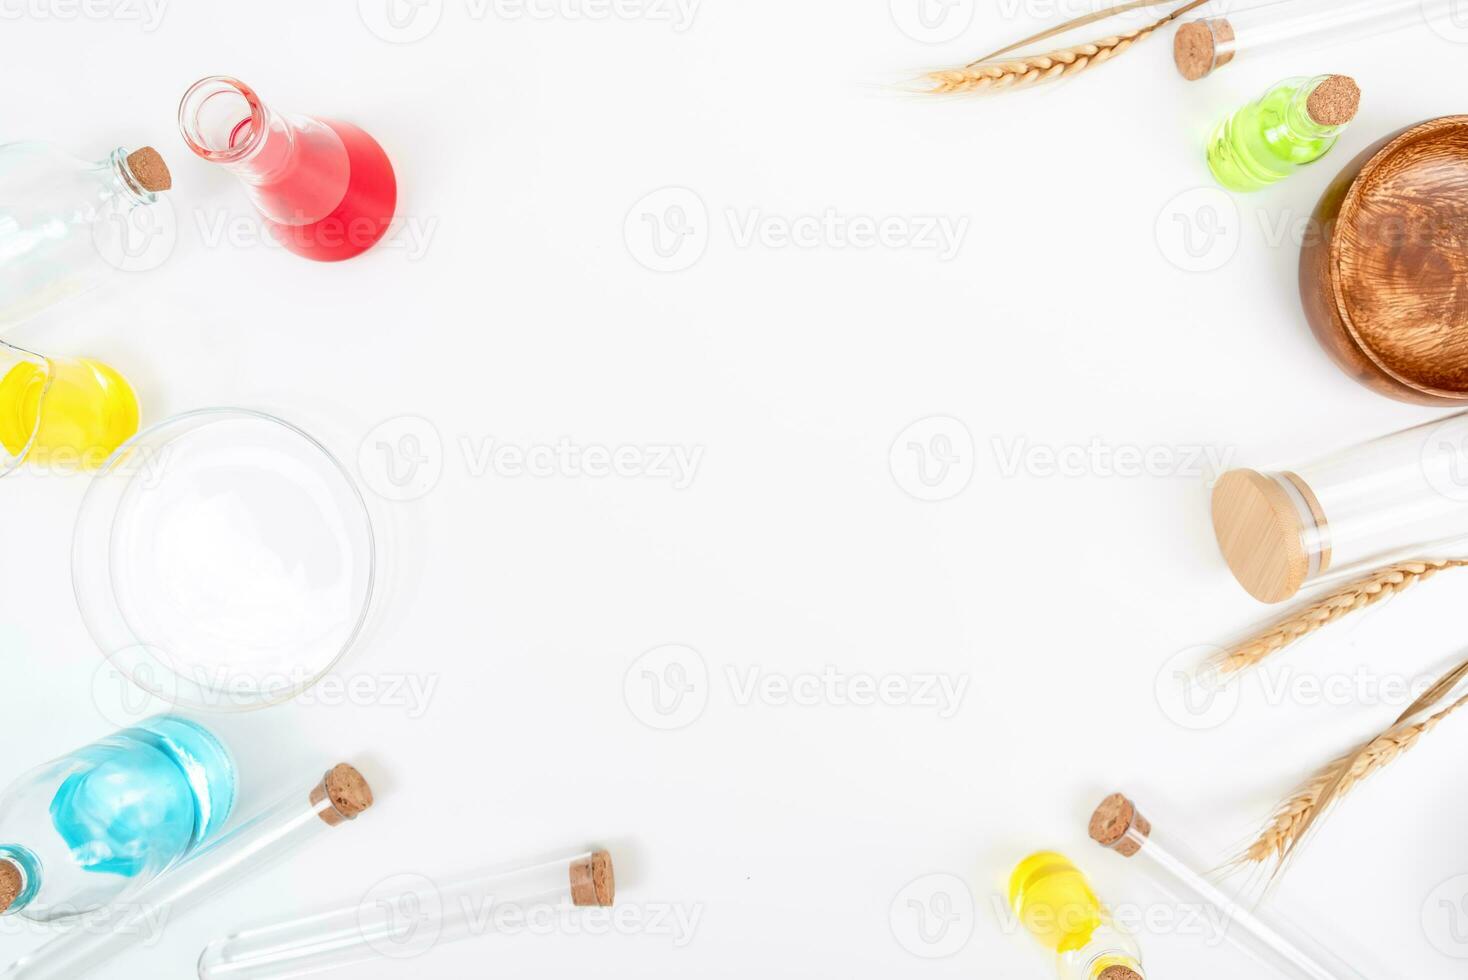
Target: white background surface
520 313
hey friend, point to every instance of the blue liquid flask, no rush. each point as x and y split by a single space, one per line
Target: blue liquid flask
82 832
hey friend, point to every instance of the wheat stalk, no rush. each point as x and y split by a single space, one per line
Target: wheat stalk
1010 73
1294 818
1358 595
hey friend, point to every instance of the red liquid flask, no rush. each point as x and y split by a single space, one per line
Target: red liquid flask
325 189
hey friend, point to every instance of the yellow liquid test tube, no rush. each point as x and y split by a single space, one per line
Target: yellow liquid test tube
63 413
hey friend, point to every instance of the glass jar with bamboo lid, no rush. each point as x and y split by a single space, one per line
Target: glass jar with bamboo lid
1398 497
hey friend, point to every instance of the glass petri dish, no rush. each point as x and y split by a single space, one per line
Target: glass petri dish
223 560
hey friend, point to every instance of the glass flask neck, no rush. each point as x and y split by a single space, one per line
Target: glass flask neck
225 122
129 187
1297 115
25 383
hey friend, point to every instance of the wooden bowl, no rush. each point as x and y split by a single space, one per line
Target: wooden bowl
1384 270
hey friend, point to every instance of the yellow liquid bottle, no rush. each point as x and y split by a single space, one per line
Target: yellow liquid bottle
66 414
1055 904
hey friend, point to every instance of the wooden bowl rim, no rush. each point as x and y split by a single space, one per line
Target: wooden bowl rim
1349 206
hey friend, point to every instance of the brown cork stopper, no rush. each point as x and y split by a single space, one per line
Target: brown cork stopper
592 884
12 883
148 169
348 792
1195 48
1335 101
1113 821
1120 973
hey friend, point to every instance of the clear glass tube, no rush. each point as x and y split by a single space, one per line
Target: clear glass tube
1203 46
1403 495
1118 825
411 918
296 820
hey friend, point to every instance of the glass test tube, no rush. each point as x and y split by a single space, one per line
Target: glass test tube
410 920
1202 46
1398 497
1118 825
303 816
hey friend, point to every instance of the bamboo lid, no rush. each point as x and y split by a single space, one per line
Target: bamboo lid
1260 532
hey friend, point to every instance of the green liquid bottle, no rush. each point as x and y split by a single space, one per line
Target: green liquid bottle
1294 124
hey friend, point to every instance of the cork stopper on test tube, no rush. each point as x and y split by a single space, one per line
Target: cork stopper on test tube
347 792
12 883
592 882
1113 822
149 170
1196 47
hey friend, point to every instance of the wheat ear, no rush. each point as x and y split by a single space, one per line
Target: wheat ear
1294 818
1358 595
1009 73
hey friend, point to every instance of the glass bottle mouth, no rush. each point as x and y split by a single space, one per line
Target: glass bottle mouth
25 381
127 180
222 119
29 867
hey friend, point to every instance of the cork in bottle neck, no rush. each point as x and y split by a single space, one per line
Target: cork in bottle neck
1333 101
12 883
148 169
1119 973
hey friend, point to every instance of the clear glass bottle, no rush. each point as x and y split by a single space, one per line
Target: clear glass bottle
65 414
85 831
1403 496
325 188
64 221
1056 905
1294 124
